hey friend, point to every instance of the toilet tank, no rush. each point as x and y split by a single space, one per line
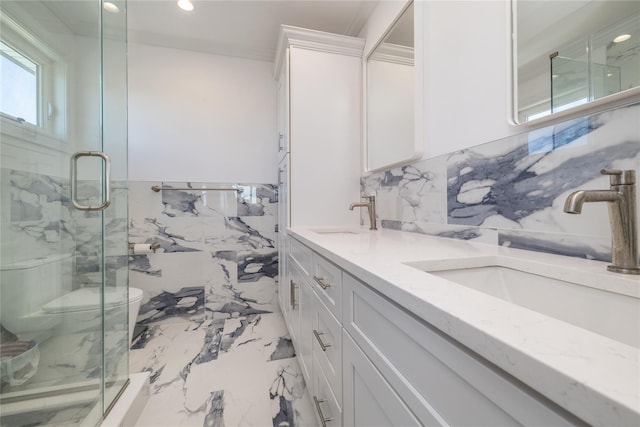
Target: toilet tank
25 287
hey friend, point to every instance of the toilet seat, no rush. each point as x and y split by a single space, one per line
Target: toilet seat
89 299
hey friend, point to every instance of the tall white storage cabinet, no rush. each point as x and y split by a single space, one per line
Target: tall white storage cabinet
319 125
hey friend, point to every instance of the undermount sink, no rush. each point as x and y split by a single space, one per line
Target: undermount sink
550 291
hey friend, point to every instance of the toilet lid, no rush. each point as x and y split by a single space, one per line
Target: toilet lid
89 299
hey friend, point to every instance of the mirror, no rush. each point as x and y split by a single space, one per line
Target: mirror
390 97
569 53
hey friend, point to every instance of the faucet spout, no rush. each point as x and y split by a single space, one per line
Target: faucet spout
575 200
371 207
358 205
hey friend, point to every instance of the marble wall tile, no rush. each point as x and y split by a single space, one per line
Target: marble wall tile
512 191
589 247
205 242
199 202
258 200
416 192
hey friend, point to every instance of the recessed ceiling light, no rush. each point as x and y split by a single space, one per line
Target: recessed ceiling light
621 38
110 7
185 5
554 76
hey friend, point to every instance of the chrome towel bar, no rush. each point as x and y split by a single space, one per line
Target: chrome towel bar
157 189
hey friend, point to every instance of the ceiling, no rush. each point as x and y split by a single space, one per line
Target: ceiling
241 28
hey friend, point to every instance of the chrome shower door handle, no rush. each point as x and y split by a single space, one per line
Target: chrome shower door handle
106 180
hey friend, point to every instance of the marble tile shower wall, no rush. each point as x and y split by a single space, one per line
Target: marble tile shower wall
218 257
511 192
38 221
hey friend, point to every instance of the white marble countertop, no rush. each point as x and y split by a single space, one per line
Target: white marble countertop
592 376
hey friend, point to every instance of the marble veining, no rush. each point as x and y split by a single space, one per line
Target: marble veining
509 186
248 377
511 192
220 240
583 247
187 303
258 200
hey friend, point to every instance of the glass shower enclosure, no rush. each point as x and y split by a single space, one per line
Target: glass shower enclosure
63 211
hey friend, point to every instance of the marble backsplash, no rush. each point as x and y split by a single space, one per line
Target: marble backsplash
218 257
511 192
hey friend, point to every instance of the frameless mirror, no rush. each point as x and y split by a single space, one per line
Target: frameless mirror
390 97
568 53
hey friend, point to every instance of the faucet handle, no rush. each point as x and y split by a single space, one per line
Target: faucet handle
620 177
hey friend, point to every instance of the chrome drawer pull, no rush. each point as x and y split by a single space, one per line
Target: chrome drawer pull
322 418
292 293
320 281
323 346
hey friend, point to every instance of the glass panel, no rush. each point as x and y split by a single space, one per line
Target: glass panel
116 232
569 83
59 305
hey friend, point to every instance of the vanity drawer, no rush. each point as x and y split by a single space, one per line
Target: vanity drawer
433 374
327 346
324 400
327 282
302 255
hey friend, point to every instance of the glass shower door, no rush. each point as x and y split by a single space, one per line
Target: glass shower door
63 211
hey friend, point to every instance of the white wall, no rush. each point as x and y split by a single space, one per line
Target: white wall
200 117
466 73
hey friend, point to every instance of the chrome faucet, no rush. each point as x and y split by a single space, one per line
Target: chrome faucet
371 206
621 200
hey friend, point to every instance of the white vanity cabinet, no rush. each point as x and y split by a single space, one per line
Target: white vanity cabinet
439 380
315 330
370 362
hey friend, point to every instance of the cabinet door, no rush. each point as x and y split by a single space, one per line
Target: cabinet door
284 208
435 376
325 137
368 399
295 282
305 340
283 111
283 274
283 243
328 409
327 346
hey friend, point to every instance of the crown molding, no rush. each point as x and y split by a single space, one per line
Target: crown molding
394 53
314 40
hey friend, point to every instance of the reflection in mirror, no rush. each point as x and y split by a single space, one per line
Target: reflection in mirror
569 53
390 97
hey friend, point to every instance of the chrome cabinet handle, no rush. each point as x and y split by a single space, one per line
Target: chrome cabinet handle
106 180
323 420
279 177
292 293
323 346
320 281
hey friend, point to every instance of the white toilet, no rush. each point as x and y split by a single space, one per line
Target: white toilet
82 306
32 308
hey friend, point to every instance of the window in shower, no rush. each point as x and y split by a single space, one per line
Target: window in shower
19 87
33 85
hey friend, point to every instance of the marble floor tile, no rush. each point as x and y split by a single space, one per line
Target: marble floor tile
239 371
